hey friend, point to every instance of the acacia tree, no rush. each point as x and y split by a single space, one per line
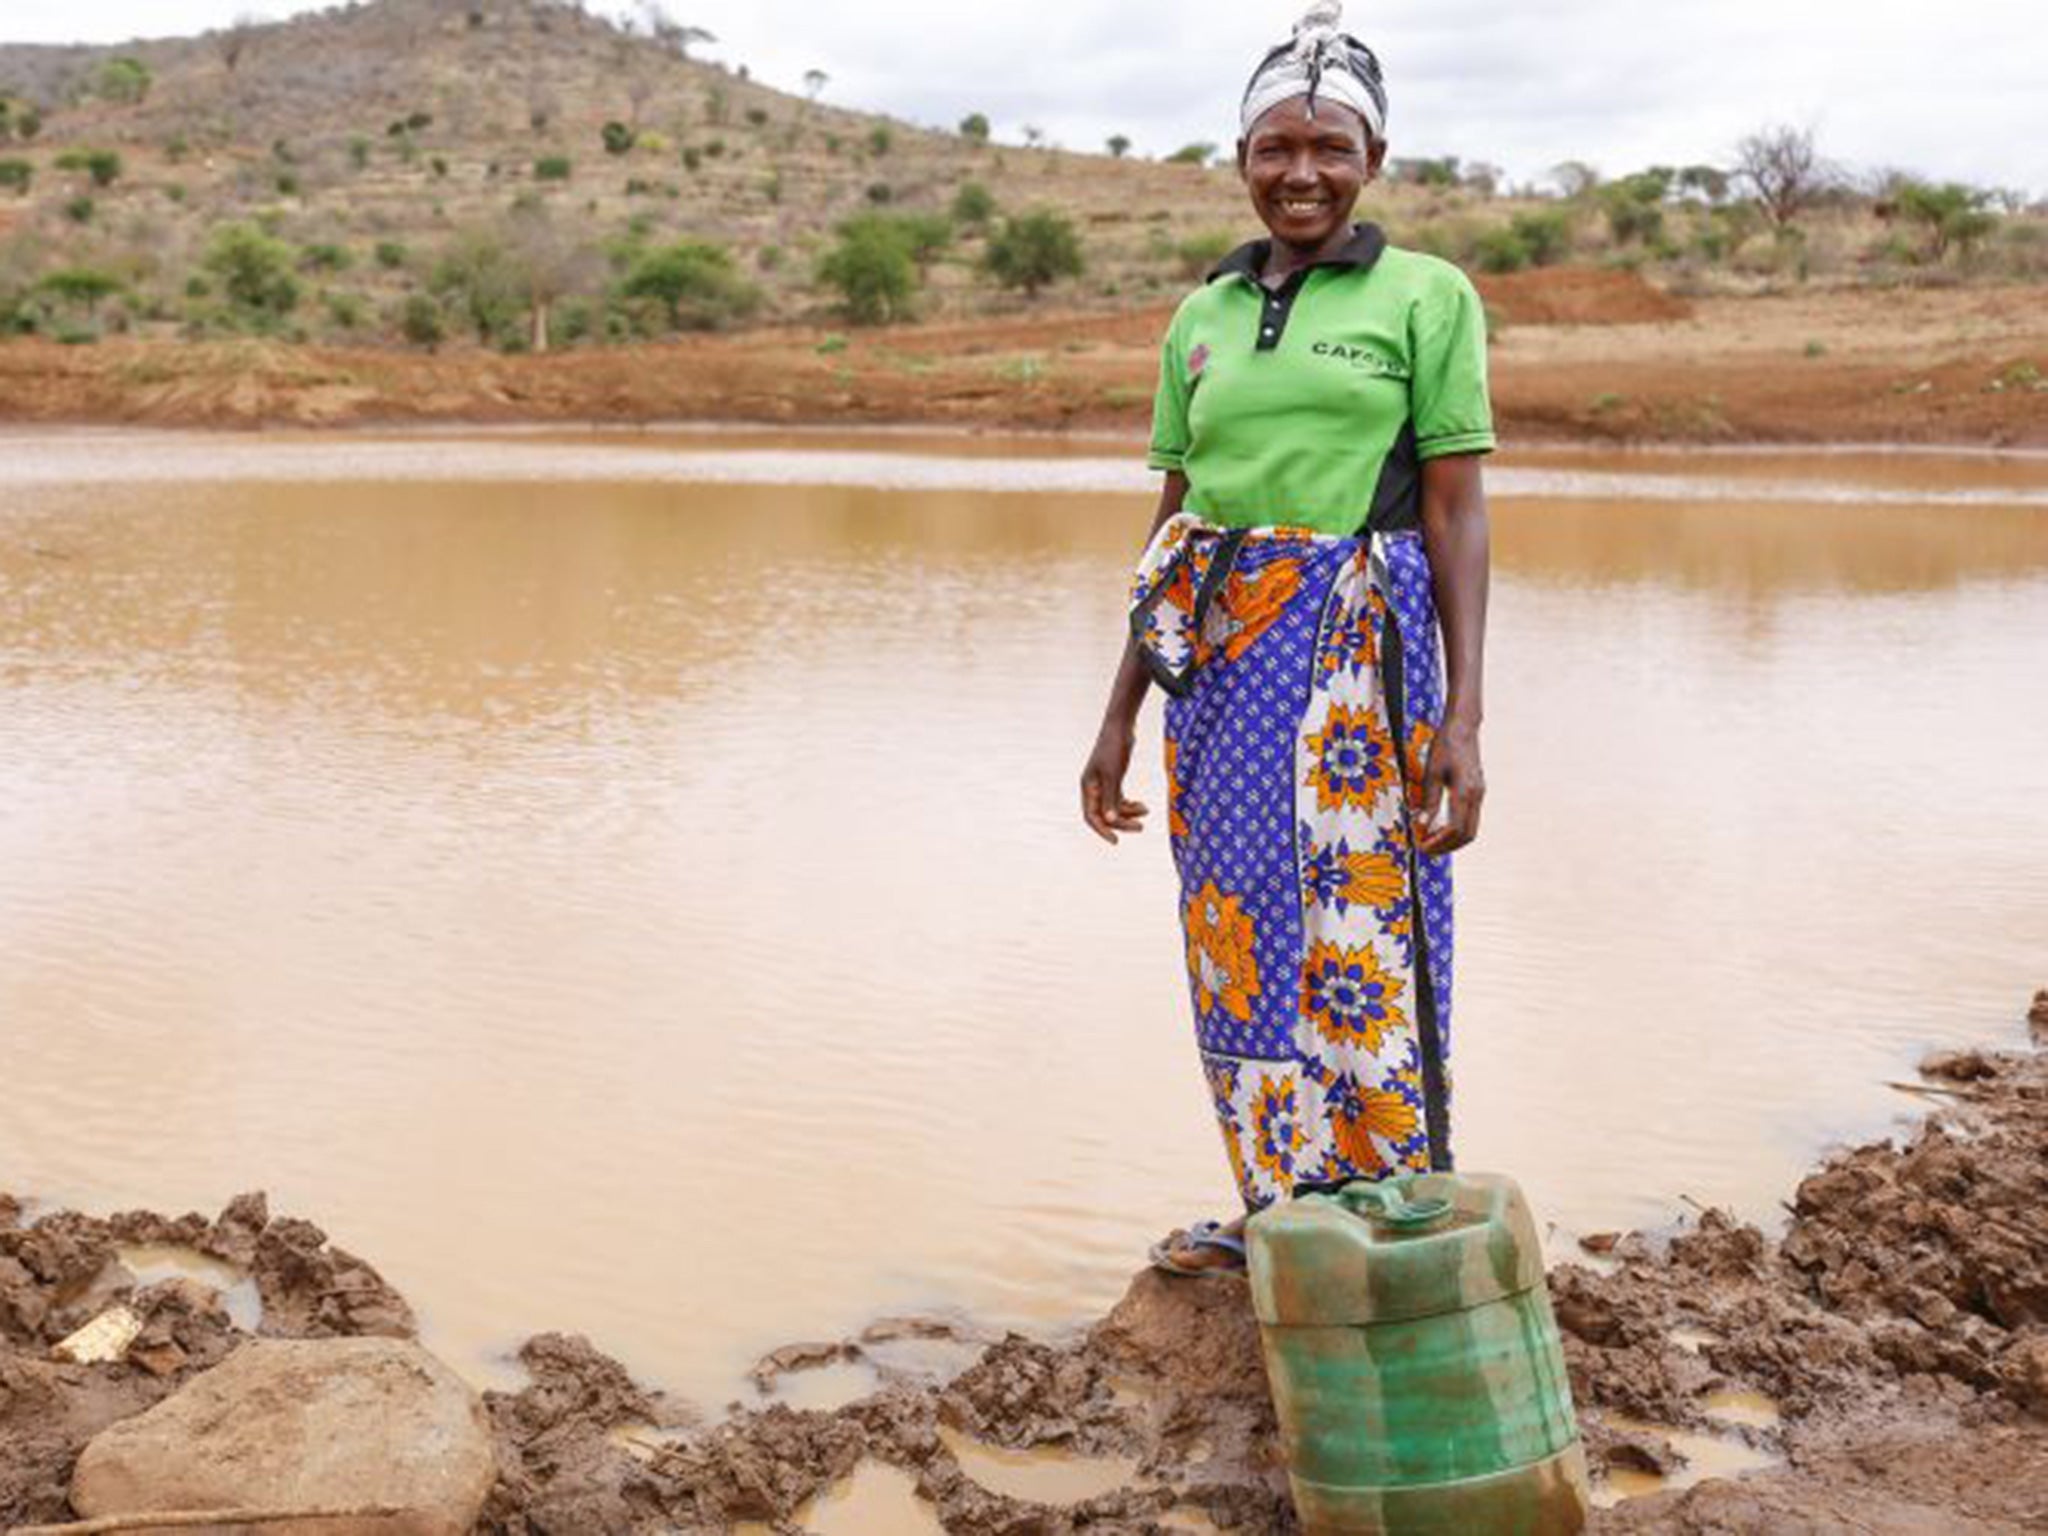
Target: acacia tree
1783 169
1034 251
814 82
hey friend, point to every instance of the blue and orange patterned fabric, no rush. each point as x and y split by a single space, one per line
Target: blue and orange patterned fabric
1305 684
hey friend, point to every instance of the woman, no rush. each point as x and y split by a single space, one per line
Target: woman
1321 414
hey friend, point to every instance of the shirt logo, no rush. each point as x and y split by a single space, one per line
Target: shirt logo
1198 359
1364 359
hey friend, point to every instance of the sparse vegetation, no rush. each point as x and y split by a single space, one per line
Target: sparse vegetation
370 194
102 165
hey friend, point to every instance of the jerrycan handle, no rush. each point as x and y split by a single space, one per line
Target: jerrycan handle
1385 1206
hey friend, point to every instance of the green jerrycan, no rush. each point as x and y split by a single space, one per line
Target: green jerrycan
1414 1361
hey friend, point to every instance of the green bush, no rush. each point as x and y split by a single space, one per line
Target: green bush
80 210
1034 251
695 283
123 79
880 139
287 184
618 138
102 165
1499 250
1951 216
1545 235
1192 154
359 152
16 174
345 310
325 256
390 255
254 271
881 192
873 270
973 205
974 128
420 322
552 168
1634 206
758 116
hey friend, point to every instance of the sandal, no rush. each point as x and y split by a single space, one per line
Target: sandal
1168 1254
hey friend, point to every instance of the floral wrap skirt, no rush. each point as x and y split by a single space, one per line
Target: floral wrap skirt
1304 687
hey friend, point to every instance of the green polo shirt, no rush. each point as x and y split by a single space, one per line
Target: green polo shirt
1316 403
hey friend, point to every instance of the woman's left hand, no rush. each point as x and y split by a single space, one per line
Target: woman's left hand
1452 774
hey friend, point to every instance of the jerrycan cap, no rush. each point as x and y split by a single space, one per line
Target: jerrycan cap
1386 1205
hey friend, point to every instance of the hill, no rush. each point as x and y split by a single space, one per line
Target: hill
522 174
401 123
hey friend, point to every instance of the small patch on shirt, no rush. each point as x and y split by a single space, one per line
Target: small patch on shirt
1198 359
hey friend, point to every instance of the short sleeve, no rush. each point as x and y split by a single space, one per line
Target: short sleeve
1170 434
1448 395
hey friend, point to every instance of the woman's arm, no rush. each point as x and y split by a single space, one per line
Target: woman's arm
1103 805
1455 534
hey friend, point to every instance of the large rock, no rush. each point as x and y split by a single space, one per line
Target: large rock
296 1423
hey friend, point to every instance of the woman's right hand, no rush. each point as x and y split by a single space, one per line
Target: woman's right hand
1103 805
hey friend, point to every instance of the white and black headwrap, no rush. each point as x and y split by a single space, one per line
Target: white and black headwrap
1321 63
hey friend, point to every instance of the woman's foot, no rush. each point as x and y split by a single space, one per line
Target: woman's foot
1206 1248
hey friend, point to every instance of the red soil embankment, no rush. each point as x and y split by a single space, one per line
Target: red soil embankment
1578 355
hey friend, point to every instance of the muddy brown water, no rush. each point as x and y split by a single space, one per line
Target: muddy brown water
630 882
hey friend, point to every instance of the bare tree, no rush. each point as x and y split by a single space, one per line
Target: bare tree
232 41
1781 167
1574 178
663 27
814 82
553 263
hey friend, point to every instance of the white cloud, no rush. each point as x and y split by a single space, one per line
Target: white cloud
1952 91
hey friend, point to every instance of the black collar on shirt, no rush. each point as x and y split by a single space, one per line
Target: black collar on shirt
1359 252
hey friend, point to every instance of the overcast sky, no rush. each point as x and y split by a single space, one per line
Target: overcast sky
1956 89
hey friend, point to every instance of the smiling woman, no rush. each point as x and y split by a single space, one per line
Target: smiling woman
1321 410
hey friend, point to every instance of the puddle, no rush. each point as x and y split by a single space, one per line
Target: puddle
1042 1475
1752 1410
1705 1456
932 1362
878 1500
152 1263
824 1388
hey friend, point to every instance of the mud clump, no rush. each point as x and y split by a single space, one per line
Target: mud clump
1900 1327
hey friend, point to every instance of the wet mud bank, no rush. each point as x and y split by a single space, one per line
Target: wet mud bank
1882 1367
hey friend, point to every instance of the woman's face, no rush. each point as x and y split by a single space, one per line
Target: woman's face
1305 173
